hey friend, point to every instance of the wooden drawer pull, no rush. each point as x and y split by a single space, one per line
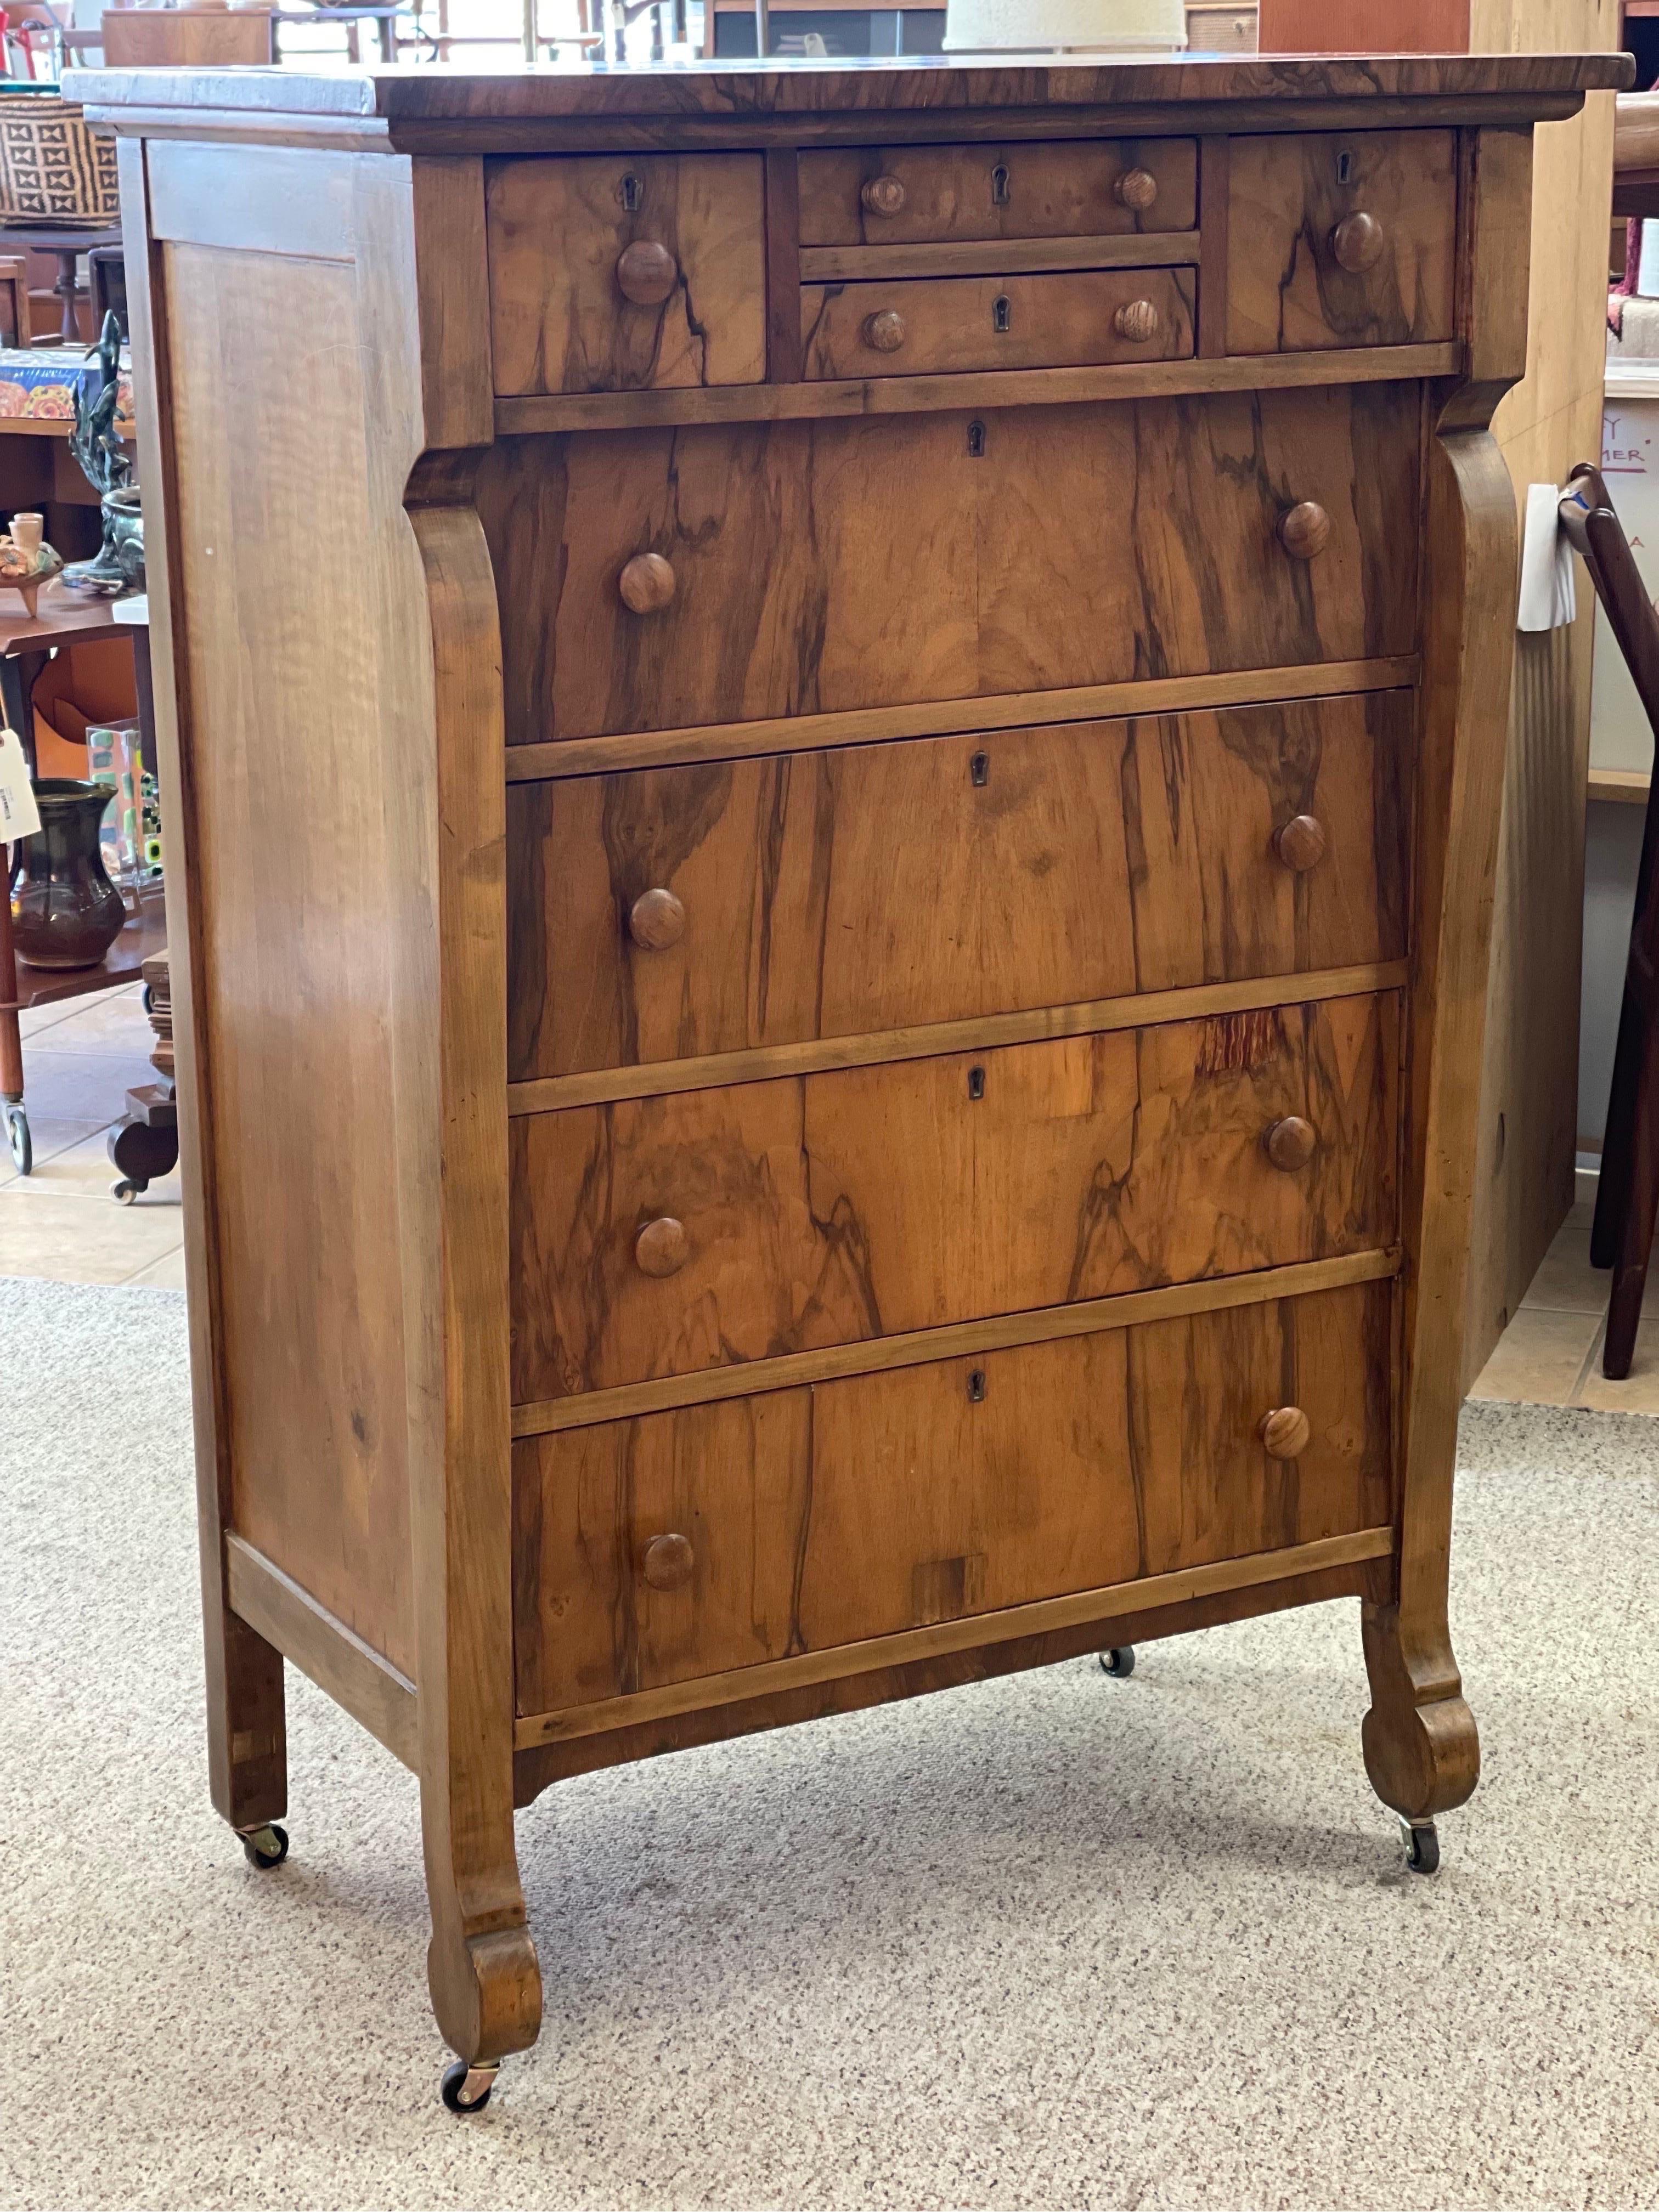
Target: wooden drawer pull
668 1562
885 331
1300 842
1136 189
1291 1143
646 273
1137 322
1285 1431
647 584
662 1247
1357 243
1305 529
655 920
882 195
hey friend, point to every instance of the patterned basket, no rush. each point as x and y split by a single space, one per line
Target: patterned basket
52 170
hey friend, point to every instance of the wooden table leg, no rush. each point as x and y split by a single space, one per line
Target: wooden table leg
69 322
11 1035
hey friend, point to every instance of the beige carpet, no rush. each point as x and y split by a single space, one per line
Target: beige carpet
1051 1941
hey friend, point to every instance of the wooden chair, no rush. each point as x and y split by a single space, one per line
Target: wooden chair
1627 1196
14 289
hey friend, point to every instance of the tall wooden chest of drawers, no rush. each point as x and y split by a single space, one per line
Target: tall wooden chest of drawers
833 744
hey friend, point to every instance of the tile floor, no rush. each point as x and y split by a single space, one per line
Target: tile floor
81 1057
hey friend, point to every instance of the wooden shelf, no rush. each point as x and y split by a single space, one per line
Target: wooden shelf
1626 787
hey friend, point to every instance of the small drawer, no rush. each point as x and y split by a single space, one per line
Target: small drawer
626 272
1341 240
707 1228
1075 188
690 1543
909 328
651 918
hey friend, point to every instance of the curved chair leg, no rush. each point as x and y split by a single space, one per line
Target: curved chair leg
1422 1748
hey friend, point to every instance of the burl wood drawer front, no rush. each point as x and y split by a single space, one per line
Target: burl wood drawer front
664 1236
938 324
687 1543
674 912
626 272
907 195
657 578
1341 240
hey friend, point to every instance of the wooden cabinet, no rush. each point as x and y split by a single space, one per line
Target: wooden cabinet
859 1067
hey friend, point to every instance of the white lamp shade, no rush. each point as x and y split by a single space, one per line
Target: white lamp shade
1031 26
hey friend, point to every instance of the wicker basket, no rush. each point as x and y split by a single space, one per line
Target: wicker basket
52 170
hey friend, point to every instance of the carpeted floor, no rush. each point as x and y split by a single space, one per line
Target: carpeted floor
1051 1942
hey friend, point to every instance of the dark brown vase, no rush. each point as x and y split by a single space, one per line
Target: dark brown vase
65 911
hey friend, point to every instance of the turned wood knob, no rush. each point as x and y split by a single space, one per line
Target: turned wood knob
1305 529
1357 243
1136 321
1285 1431
647 583
1291 1143
655 920
885 331
1136 189
881 194
646 273
662 1247
668 1562
1300 843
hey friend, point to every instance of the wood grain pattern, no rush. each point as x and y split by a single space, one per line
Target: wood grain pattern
560 322
866 889
1287 291
881 562
825 1517
830 264
1016 190
1077 1169
995 322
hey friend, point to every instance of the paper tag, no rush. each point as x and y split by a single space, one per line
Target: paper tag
19 815
1549 595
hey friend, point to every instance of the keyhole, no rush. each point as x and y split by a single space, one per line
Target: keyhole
1344 167
976 441
976 1387
977 1083
633 191
1002 312
999 186
980 768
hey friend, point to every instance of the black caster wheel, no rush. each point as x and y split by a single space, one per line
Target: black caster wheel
466 2089
18 1137
265 1847
1120 1664
125 1191
1422 1842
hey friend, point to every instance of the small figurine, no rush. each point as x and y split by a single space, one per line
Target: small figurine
106 463
27 561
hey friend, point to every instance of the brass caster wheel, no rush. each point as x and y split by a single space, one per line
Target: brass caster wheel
1120 1664
265 1846
466 2089
1422 1842
17 1136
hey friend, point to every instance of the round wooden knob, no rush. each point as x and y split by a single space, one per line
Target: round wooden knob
668 1562
1136 189
1285 1431
646 273
885 331
1300 843
881 194
1357 243
1136 321
647 583
1291 1143
1305 529
662 1247
655 920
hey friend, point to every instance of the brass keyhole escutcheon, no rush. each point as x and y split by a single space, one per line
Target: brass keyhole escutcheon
1002 312
999 193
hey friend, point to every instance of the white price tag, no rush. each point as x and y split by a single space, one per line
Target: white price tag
19 815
